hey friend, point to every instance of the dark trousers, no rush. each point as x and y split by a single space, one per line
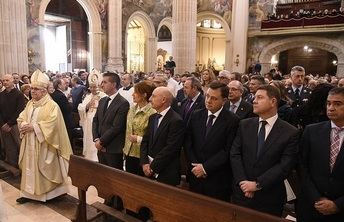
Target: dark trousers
132 165
274 209
114 160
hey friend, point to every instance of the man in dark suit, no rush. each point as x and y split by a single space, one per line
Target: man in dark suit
66 108
161 144
16 81
255 82
209 136
109 123
236 104
180 93
322 166
263 154
77 92
194 99
12 103
299 94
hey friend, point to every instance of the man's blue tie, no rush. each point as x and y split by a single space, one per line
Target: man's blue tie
156 123
261 137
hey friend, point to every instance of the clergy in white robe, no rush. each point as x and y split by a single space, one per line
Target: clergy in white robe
45 147
87 109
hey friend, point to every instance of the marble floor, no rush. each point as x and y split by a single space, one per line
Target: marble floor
57 211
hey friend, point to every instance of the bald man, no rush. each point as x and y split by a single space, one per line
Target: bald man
12 103
162 142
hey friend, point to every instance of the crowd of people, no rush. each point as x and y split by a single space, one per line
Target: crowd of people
242 135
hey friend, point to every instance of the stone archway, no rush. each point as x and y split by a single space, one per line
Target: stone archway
228 53
167 22
94 34
300 41
150 39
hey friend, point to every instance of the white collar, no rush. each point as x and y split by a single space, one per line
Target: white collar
215 114
271 121
113 96
195 97
294 88
237 104
333 125
163 113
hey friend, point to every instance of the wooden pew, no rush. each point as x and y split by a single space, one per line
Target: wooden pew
166 203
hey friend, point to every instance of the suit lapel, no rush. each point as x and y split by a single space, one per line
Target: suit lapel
217 124
240 110
252 142
112 106
340 158
162 125
274 134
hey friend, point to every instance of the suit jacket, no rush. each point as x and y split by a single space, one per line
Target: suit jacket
316 178
212 151
164 147
277 159
244 111
298 106
110 126
198 104
66 108
180 95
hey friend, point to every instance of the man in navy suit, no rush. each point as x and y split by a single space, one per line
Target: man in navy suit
162 142
209 136
263 154
322 166
194 99
66 108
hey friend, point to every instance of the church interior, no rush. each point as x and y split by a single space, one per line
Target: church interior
140 38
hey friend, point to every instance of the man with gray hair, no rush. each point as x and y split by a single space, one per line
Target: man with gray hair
60 98
12 102
225 76
236 104
299 94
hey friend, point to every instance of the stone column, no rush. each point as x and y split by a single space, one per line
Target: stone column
13 37
342 4
184 20
95 48
340 69
115 60
239 31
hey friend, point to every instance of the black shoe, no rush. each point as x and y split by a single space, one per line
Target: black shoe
23 200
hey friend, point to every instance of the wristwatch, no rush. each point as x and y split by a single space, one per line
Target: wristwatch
258 186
